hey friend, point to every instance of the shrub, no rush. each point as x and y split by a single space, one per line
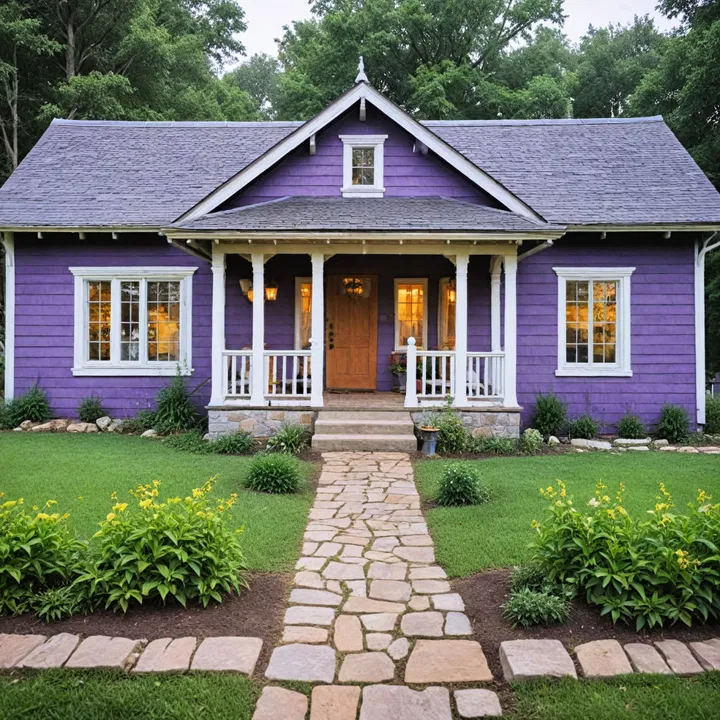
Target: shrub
188 442
174 411
528 607
674 424
534 576
460 484
630 427
584 427
652 572
57 603
493 445
531 440
274 473
180 550
452 436
90 409
288 439
143 420
239 443
6 415
549 415
33 405
38 552
712 415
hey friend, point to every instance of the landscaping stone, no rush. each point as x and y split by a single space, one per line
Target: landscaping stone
357 588
309 663
277 703
415 554
310 563
147 434
603 658
646 659
367 667
422 624
57 425
532 659
417 540
398 649
395 702
419 603
660 443
367 606
309 615
328 549
447 661
393 590
303 634
630 442
104 422
457 623
27 425
707 654
305 578
387 571
348 635
14 648
334 702
553 441
431 587
83 427
228 654
103 652
678 657
591 444
379 621
427 573
51 654
315 597
343 571
640 448
477 703
449 601
378 641
166 655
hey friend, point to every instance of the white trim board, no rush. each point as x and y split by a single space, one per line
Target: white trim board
8 242
328 115
377 144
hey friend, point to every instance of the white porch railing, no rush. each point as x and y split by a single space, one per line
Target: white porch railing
437 373
237 371
485 375
287 373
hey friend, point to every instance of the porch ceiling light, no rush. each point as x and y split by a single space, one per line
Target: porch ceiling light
271 291
353 287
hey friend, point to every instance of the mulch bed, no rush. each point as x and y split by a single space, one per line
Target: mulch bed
257 612
485 592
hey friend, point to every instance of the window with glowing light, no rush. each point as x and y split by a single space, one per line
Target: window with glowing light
303 313
446 314
410 312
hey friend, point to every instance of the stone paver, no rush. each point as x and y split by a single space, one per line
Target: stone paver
103 652
707 654
309 615
378 641
449 601
367 667
603 658
387 571
227 654
646 659
447 661
304 634
334 702
531 659
393 590
477 703
678 657
457 624
422 624
348 634
51 654
398 649
315 597
395 702
379 621
310 663
167 655
14 648
277 703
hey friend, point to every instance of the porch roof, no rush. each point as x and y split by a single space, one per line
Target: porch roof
431 214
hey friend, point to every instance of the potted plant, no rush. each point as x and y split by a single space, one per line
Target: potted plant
428 429
400 373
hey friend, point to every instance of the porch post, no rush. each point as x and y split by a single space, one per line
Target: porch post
219 375
510 330
461 329
317 328
257 392
411 398
495 269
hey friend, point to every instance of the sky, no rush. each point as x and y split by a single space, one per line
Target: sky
266 18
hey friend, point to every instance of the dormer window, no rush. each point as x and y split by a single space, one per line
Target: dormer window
363 159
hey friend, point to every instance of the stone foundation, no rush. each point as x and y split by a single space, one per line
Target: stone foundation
259 423
485 423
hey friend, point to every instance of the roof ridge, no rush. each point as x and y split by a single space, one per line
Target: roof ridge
548 121
177 124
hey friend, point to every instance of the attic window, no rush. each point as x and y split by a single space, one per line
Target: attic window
363 159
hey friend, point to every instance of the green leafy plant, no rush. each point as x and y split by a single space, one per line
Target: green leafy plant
674 425
175 411
712 414
430 420
492 445
188 442
181 550
549 415
288 439
90 409
528 607
630 427
531 440
583 427
143 420
239 443
32 405
533 575
460 484
453 435
274 473
57 603
6 415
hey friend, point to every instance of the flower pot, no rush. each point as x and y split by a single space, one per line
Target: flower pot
429 440
401 379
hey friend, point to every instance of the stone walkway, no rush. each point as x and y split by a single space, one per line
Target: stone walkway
369 605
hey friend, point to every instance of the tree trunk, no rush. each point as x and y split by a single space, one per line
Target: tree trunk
70 50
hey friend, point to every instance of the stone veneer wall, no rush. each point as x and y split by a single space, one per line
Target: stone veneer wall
259 423
485 423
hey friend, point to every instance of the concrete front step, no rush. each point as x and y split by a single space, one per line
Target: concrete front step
364 415
362 426
356 442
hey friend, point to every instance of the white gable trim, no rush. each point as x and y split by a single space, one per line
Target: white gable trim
331 113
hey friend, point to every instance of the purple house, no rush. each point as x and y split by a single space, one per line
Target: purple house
289 268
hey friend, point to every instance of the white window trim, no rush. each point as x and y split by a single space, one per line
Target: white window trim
82 367
621 368
377 143
414 281
299 281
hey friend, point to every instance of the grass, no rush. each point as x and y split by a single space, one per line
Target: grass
497 533
81 471
633 698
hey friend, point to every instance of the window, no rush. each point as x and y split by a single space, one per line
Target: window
363 160
132 321
594 321
303 313
446 314
410 312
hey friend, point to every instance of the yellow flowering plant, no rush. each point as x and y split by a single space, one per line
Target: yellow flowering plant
652 571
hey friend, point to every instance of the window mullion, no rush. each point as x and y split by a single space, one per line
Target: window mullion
591 310
143 319
115 316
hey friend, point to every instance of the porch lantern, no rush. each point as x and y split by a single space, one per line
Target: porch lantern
353 287
271 291
451 291
249 295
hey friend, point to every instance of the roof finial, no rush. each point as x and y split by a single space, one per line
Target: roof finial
361 76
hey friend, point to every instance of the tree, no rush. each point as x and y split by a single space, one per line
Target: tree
258 77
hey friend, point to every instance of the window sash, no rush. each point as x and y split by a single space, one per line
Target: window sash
418 308
446 317
303 313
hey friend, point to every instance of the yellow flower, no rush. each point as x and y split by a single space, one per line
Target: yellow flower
610 513
703 496
145 504
197 493
534 524
110 517
43 516
119 507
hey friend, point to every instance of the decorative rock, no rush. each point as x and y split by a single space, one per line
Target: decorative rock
641 448
393 590
457 623
447 661
387 571
647 659
662 442
431 587
348 634
398 649
415 554
116 425
367 667
532 659
707 654
678 657
228 654
366 606
419 603
167 655
630 442
334 702
603 658
449 601
591 444
315 597
378 641
687 449
51 654
276 702
552 441
310 663
14 648
104 422
379 621
147 434
57 425
309 615
422 624
343 571
477 703
82 427
26 425
102 652
303 634
395 702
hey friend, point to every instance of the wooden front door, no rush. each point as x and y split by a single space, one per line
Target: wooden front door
351 332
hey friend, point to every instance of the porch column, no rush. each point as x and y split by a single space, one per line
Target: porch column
461 329
317 329
510 330
495 270
219 374
257 392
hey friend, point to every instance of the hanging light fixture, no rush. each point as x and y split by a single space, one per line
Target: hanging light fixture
249 294
271 291
451 290
353 287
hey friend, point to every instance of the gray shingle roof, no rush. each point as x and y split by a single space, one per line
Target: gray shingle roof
108 174
325 213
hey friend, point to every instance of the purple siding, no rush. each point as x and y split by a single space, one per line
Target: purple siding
407 174
662 319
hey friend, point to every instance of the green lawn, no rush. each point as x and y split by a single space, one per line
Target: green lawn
81 471
497 533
